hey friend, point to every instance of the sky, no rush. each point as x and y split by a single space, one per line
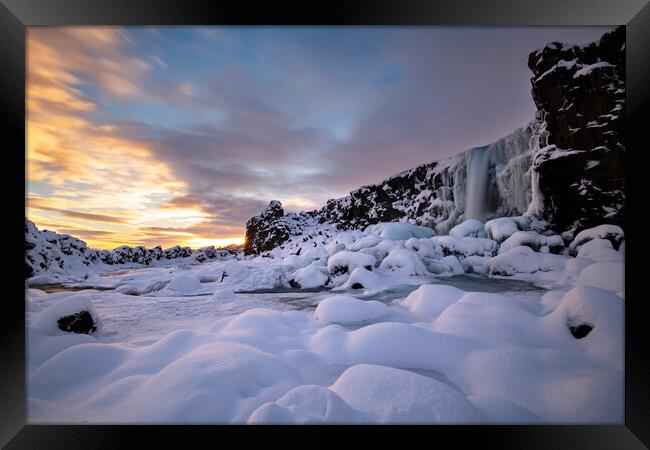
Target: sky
178 135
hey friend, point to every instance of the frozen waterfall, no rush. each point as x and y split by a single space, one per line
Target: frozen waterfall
477 181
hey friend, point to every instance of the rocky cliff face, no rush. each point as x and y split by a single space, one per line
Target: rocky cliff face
432 194
579 167
54 253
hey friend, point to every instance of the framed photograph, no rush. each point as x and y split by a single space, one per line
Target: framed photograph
361 216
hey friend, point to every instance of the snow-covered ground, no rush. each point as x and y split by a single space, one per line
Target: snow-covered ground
494 323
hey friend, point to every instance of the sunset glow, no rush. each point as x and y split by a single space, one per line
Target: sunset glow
165 136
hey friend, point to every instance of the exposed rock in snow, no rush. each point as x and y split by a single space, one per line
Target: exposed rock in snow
344 262
74 314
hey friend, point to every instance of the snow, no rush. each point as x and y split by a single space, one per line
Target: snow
396 343
346 309
469 228
586 70
403 261
603 275
465 246
614 233
400 230
311 276
345 262
429 300
46 321
396 396
501 228
532 240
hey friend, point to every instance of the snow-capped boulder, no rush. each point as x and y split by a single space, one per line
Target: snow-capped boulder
463 247
532 240
309 277
74 314
501 228
345 309
612 233
469 228
362 278
344 262
403 261
516 260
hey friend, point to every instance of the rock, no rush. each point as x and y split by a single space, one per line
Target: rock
81 322
580 95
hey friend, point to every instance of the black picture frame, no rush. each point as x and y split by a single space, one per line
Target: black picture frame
16 15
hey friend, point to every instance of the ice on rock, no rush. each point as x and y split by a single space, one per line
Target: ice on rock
345 309
613 233
532 240
309 277
344 262
393 395
429 300
501 228
403 261
307 404
48 319
474 264
425 248
469 228
400 231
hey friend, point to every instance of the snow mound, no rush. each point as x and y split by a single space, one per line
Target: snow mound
469 228
307 404
531 239
516 260
609 276
403 261
361 278
612 233
430 300
311 276
346 309
184 283
345 262
398 396
501 228
463 247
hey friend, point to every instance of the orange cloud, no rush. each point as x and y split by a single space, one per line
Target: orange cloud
108 187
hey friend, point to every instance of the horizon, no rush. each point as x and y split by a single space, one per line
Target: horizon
177 135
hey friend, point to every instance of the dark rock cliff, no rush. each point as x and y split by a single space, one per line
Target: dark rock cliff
580 95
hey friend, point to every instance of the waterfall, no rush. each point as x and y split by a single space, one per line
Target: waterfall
477 182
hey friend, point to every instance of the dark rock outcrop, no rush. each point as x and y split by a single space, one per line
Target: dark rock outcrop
580 95
81 323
